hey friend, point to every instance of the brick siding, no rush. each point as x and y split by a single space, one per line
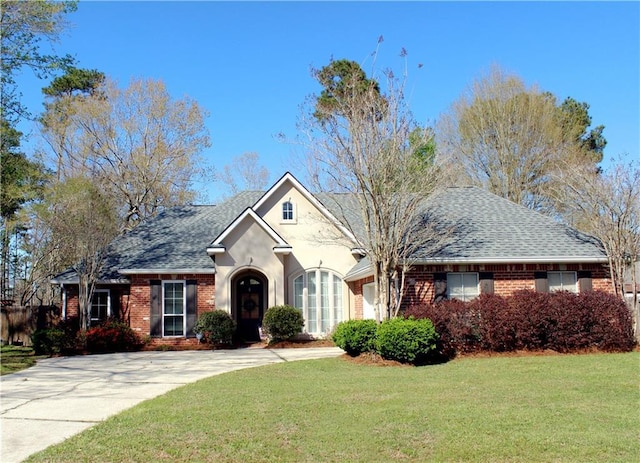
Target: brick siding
507 278
134 302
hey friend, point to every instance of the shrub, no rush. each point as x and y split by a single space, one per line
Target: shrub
48 341
60 339
457 326
356 336
112 336
282 322
533 319
217 327
406 340
612 322
496 322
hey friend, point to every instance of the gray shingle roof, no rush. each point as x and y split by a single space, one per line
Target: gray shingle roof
175 239
491 228
485 228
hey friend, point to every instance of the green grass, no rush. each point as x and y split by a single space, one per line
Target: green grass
569 408
14 358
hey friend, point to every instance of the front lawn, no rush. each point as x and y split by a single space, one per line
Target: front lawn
565 408
15 358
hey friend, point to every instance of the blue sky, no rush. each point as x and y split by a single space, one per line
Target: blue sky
248 63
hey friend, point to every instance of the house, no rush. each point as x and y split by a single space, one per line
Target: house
287 246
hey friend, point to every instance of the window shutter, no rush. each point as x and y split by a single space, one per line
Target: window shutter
486 283
584 281
439 287
156 308
542 284
192 306
114 296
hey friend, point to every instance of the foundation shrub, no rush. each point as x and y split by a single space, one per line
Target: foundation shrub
457 327
572 322
496 322
216 326
612 322
406 340
528 320
592 319
112 336
282 322
356 336
533 319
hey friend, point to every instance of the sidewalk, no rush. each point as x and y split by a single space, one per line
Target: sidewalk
62 396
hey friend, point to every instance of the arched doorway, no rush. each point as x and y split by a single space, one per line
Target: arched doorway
250 290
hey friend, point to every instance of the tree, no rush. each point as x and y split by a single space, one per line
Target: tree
511 139
82 221
63 95
138 143
574 120
24 24
367 144
607 205
245 173
22 181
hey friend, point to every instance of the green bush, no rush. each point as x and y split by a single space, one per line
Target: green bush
49 341
112 336
406 340
217 327
282 322
356 336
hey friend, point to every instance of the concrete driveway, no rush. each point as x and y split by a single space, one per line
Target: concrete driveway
60 397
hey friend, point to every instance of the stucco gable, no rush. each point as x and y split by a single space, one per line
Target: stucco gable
219 245
275 196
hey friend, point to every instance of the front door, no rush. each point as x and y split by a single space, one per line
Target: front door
249 306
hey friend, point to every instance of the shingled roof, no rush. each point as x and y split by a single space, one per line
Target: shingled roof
484 228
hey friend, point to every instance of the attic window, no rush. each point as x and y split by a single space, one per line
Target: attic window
287 211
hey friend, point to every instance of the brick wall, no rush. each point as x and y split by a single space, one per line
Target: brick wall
134 302
140 299
508 278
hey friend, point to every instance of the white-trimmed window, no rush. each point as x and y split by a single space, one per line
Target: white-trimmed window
463 286
319 294
562 281
100 306
174 307
287 212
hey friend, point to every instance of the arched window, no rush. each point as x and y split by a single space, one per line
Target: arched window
287 210
318 293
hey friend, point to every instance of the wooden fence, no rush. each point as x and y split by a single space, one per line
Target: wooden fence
17 324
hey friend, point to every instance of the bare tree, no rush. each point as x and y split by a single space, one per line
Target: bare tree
82 221
245 173
607 206
141 145
510 139
364 142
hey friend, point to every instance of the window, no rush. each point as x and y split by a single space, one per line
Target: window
173 308
318 293
100 306
462 286
287 211
562 281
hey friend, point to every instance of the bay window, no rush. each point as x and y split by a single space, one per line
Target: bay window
318 294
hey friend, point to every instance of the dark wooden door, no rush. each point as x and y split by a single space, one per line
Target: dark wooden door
249 306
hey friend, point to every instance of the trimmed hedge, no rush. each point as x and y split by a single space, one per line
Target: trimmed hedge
282 322
561 321
356 336
217 327
406 340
